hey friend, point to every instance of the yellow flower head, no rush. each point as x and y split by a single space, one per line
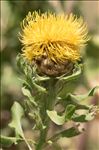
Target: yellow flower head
58 36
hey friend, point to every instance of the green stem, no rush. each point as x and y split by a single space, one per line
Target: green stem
49 100
42 140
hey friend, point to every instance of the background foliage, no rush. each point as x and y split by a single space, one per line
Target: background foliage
12 13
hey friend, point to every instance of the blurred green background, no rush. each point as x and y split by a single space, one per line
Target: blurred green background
12 13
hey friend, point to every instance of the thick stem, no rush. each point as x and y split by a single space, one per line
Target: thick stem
41 140
49 100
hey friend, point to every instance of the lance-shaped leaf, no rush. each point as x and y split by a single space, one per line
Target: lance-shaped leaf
35 112
8 141
31 76
20 62
41 78
83 96
83 117
75 99
60 120
23 65
39 88
57 119
87 116
70 109
68 133
17 113
77 71
27 93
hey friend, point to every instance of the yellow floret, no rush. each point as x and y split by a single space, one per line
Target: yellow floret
59 36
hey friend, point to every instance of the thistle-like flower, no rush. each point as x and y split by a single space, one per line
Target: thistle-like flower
52 41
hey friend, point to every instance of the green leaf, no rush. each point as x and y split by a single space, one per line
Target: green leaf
68 133
27 93
39 88
70 109
31 77
80 118
71 132
84 117
90 116
77 71
33 108
83 96
41 78
75 99
8 141
59 120
17 113
21 63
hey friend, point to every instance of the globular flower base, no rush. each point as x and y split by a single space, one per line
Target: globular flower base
46 66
